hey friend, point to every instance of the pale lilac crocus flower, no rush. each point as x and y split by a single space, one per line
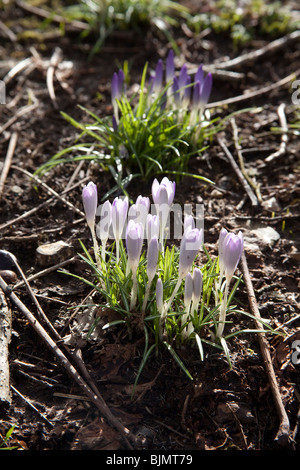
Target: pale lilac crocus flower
190 245
118 217
104 225
134 243
163 195
232 247
90 202
117 88
152 259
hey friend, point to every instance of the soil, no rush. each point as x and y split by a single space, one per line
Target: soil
221 408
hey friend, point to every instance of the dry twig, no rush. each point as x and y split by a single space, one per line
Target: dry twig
282 436
97 399
8 160
284 136
242 179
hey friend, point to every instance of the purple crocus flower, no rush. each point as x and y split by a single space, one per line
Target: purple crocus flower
134 243
232 247
118 217
163 195
90 201
170 67
117 85
190 245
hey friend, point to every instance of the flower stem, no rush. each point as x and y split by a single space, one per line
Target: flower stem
223 310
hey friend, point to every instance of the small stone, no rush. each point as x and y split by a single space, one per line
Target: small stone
53 253
260 238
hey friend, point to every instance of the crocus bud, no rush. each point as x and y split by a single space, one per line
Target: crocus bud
233 246
188 290
139 211
134 243
206 90
90 201
103 226
163 192
170 68
190 245
152 257
117 83
197 285
152 226
118 217
163 195
189 222
222 237
158 77
119 213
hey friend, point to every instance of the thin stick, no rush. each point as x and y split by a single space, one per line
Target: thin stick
242 179
282 436
96 399
8 160
258 53
238 148
284 137
50 190
54 61
5 337
255 93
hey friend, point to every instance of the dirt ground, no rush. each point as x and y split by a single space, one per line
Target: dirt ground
220 408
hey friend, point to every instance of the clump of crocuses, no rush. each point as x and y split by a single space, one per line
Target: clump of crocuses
180 91
140 263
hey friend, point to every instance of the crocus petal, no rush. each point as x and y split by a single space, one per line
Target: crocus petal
152 226
190 245
188 290
152 257
197 284
119 214
105 221
199 75
233 247
90 201
206 90
134 243
170 68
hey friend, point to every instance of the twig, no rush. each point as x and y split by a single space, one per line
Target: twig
50 190
238 148
8 160
21 112
5 336
31 405
253 94
282 436
95 398
253 55
40 206
243 181
284 136
54 61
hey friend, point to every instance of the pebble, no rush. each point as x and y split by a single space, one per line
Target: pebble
53 253
260 238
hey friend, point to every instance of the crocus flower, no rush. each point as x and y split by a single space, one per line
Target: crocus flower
190 245
222 236
170 67
152 226
90 201
134 243
231 247
163 195
139 211
118 217
189 222
232 250
152 259
104 225
117 84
